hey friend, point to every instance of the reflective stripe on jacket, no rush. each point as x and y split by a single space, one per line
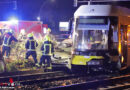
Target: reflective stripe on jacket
8 38
6 41
47 48
31 45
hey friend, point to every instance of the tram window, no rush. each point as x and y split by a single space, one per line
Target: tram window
129 36
115 33
115 36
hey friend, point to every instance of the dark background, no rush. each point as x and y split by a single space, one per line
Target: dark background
51 12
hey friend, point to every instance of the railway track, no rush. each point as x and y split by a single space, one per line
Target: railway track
55 81
114 83
77 82
31 76
59 80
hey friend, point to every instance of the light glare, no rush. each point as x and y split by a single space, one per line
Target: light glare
13 21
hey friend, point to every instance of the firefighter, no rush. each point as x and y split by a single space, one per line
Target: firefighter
22 35
53 40
7 40
30 46
47 51
48 31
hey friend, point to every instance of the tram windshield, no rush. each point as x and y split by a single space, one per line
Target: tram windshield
91 39
91 33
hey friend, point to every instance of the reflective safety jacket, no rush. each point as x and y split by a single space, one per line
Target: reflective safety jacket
31 44
8 38
47 48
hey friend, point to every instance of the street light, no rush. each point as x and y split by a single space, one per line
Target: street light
52 0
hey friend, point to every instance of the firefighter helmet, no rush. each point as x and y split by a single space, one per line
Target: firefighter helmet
22 31
49 29
30 35
11 30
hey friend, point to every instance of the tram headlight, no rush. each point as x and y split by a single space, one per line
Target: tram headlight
94 62
81 47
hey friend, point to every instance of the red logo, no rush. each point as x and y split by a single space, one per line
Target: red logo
11 82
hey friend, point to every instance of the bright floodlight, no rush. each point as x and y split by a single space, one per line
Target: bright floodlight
38 18
44 30
13 21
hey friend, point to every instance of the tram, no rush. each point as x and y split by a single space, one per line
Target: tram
100 38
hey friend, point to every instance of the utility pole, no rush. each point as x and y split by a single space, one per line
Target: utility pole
15 5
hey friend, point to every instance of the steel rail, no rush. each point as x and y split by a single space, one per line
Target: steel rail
109 84
48 79
29 76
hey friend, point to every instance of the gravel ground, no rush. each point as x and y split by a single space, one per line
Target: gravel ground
52 84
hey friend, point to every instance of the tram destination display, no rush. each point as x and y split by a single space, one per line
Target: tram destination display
92 21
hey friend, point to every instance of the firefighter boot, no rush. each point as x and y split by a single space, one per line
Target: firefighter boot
49 69
37 65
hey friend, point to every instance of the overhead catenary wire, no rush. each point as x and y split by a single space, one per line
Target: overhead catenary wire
76 2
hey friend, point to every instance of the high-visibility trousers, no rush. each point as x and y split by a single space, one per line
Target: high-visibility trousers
45 59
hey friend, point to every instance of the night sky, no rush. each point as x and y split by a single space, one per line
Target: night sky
50 11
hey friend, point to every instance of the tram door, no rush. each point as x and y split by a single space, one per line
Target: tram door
124 43
128 45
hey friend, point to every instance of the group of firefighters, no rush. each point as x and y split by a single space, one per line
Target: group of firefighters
47 48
